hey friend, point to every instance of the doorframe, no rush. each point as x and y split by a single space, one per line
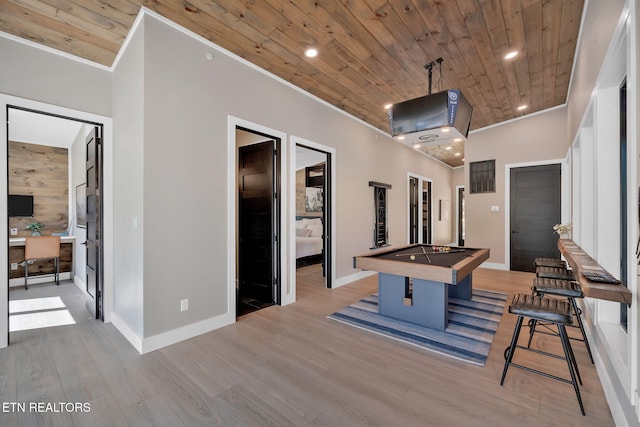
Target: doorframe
232 210
107 177
421 180
291 207
507 199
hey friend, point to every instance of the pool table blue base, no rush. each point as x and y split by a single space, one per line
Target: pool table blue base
429 303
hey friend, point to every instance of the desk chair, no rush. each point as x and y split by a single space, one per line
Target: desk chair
41 247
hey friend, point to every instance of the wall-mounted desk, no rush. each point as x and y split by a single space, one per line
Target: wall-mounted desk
41 267
579 261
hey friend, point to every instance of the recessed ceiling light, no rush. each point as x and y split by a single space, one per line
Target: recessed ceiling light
387 106
448 147
522 107
457 154
457 140
445 129
400 138
311 52
416 145
511 55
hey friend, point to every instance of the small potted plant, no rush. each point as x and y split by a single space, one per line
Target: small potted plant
564 230
35 228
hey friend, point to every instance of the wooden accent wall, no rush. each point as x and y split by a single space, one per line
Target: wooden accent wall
43 172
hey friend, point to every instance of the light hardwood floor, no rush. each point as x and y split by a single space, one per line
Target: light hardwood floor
286 366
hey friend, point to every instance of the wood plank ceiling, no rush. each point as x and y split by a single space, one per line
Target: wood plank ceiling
371 52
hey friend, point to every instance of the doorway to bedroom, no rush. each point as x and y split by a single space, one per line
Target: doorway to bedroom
313 215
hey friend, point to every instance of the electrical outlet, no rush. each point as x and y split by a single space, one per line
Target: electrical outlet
14 231
495 208
14 265
184 304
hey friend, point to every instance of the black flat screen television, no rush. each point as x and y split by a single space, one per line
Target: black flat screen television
19 205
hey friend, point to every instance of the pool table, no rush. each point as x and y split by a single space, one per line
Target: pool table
416 281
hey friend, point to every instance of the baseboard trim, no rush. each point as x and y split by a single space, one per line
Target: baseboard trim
134 339
623 412
352 278
173 336
147 345
494 266
80 283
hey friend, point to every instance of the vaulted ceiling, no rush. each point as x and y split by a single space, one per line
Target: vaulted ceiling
371 52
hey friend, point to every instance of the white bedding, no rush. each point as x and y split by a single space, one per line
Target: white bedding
307 246
308 237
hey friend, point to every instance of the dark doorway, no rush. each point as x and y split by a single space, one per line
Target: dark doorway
414 200
419 210
258 226
427 211
94 224
534 210
461 216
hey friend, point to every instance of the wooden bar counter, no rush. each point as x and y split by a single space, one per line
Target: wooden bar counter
579 261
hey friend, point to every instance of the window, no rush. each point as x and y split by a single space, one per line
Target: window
380 232
482 176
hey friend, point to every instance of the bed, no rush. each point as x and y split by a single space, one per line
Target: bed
309 242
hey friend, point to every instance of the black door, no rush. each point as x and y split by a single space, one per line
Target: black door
427 211
414 193
534 210
257 223
326 215
94 224
460 216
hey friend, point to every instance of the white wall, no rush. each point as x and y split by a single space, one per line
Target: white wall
39 74
599 22
607 53
176 167
538 138
128 116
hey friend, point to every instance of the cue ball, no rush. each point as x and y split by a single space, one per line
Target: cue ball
412 257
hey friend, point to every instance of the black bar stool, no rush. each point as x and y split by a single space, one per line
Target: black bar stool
549 310
559 273
549 262
561 288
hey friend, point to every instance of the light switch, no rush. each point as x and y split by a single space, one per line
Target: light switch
495 208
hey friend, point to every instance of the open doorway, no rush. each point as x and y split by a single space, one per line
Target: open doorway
313 215
47 167
420 210
460 215
258 223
